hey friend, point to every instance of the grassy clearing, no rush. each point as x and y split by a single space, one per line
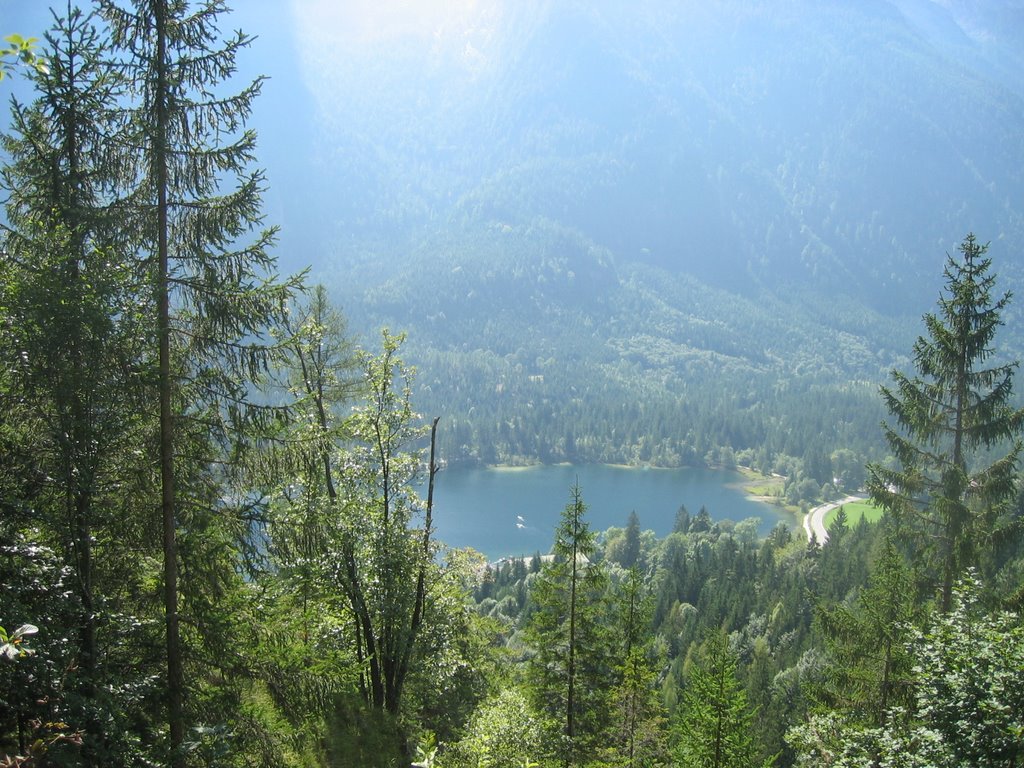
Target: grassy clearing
854 512
762 486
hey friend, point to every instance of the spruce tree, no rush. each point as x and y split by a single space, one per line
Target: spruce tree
714 725
636 733
210 274
631 546
69 306
871 667
949 417
570 673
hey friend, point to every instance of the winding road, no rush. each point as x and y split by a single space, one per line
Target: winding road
814 521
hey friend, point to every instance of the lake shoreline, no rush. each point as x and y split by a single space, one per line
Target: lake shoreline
754 484
504 511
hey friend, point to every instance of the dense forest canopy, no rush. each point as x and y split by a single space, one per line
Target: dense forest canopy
567 232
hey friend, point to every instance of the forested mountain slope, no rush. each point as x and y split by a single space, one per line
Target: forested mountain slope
653 196
838 147
649 198
542 346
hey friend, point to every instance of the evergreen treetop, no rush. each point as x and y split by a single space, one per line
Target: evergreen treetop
949 417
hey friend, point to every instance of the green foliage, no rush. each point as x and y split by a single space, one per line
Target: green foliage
379 556
426 752
713 724
364 736
79 318
636 732
34 584
631 547
458 661
23 50
504 732
72 316
569 671
957 408
12 645
970 665
212 296
870 670
351 540
967 704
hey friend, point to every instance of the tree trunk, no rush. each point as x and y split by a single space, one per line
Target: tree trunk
421 578
175 669
570 699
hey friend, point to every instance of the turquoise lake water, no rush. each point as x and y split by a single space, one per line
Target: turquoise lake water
508 512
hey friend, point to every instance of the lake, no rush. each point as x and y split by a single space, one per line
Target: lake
513 511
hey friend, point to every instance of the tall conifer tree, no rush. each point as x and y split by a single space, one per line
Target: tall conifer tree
637 734
714 726
208 263
868 643
957 408
70 292
570 673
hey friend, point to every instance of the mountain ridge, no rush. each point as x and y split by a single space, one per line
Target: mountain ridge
731 161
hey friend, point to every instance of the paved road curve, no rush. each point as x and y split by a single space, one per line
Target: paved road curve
814 521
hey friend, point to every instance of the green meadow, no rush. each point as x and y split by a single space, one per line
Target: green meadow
854 512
